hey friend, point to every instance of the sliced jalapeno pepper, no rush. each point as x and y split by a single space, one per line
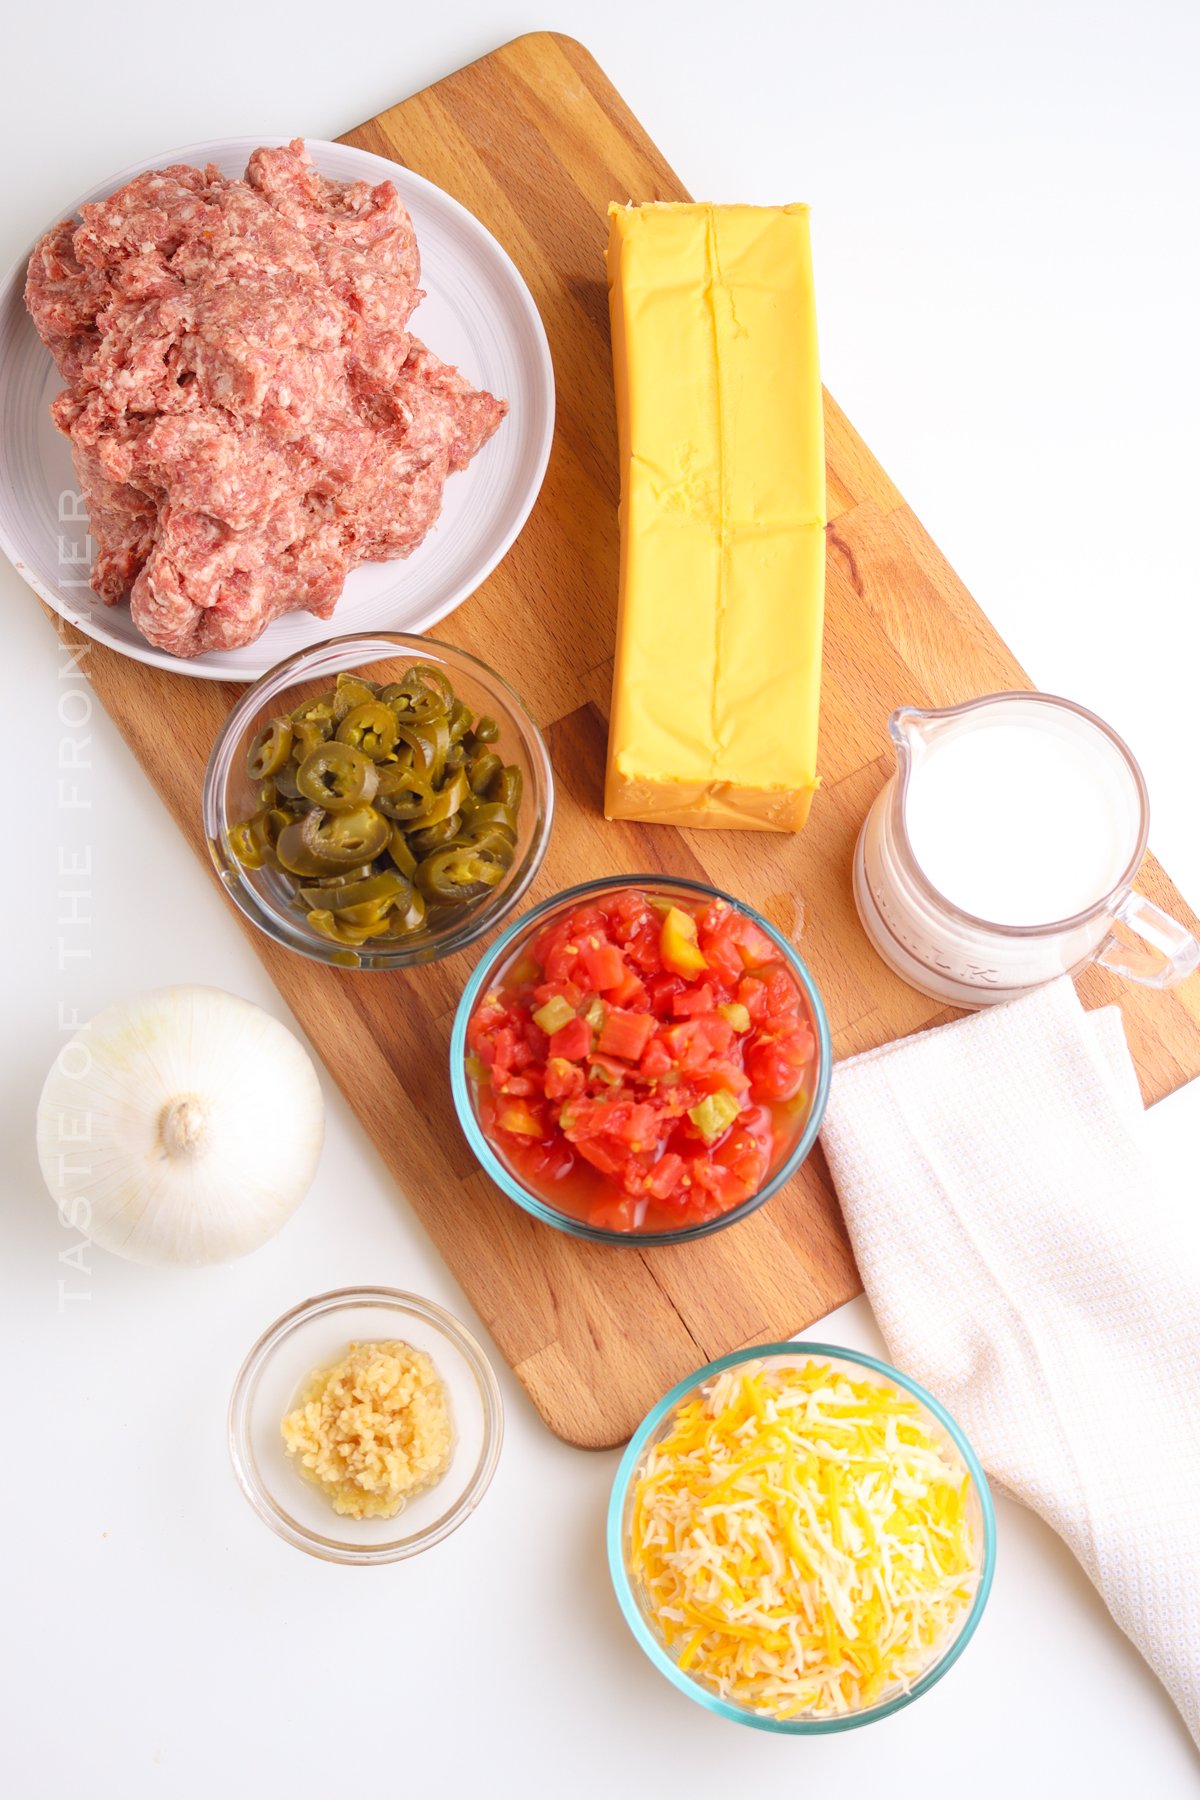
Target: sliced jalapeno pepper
386 889
243 845
253 841
335 883
295 856
372 912
400 853
270 750
337 777
409 796
404 919
489 817
285 784
486 730
507 788
320 706
423 693
392 773
456 874
310 734
459 721
352 691
447 800
489 842
371 728
329 927
482 769
435 837
345 839
429 741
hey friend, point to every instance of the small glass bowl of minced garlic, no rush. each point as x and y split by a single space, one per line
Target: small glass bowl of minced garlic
372 1429
365 1425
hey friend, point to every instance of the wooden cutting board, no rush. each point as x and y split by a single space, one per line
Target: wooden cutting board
535 142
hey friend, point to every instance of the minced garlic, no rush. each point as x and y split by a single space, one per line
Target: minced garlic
803 1541
372 1430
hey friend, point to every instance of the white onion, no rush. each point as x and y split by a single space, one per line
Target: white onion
182 1126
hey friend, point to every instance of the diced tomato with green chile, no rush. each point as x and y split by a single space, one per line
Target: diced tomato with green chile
669 1097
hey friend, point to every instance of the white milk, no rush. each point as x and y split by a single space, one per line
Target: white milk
1001 854
1022 821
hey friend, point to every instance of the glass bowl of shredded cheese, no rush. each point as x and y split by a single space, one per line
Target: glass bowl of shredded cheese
801 1538
365 1425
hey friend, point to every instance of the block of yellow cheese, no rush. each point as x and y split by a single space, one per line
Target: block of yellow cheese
722 516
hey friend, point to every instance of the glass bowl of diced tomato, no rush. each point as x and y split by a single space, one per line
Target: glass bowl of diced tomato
641 1060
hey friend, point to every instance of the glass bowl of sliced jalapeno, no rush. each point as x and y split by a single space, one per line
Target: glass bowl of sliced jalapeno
378 801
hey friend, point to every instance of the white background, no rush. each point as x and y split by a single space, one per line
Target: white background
1004 212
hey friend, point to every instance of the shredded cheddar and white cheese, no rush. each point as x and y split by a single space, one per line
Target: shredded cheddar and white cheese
802 1540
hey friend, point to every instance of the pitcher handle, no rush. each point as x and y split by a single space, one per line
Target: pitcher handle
1152 948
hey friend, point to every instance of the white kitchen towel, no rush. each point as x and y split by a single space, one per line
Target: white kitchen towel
1023 1267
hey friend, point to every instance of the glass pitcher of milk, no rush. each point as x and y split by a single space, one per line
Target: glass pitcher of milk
1003 851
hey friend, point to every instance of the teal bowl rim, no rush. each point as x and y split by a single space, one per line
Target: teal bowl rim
659 1656
507 1181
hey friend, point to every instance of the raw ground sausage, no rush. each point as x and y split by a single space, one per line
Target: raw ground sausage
249 415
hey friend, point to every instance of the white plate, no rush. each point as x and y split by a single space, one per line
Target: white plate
477 313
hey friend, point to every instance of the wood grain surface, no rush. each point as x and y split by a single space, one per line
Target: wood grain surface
535 141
